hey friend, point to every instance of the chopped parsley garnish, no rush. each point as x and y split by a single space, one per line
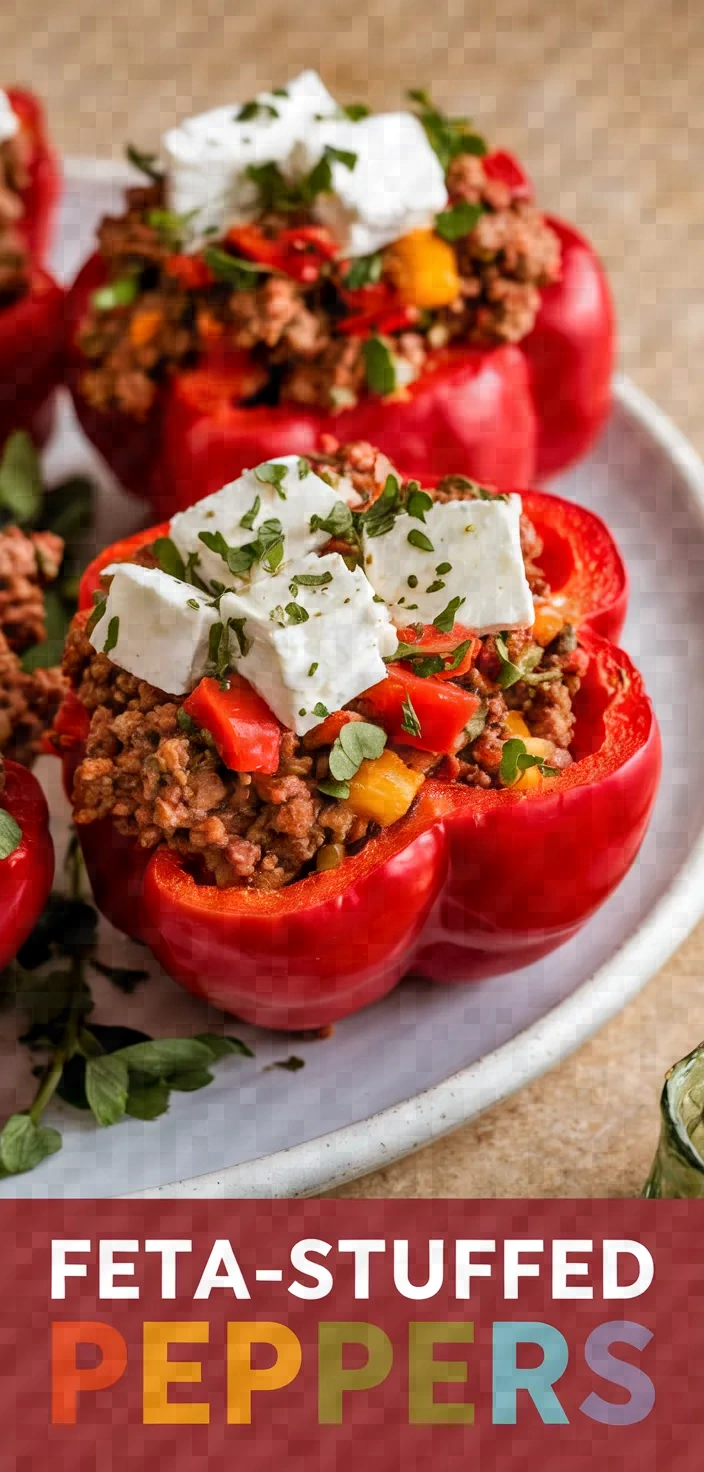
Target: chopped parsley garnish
249 518
312 669
268 548
170 227
418 539
425 665
320 710
436 587
477 723
382 513
410 723
412 581
192 603
169 559
10 834
303 467
240 275
120 293
471 490
340 522
297 614
271 474
219 650
331 788
358 741
379 366
147 163
442 568
101 602
447 136
445 622
278 194
112 635
526 669
255 109
186 722
458 221
355 111
515 760
243 643
417 503
312 579
364 271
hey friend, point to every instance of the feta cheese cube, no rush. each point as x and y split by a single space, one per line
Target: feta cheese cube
292 502
396 185
207 156
9 121
156 627
476 555
313 652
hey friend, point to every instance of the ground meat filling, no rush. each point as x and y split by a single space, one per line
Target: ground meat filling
160 783
28 701
291 332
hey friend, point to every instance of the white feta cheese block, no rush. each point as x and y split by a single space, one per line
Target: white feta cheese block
160 629
396 185
480 540
326 659
207 156
9 121
302 498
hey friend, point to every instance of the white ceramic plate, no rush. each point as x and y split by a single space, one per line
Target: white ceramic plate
427 1058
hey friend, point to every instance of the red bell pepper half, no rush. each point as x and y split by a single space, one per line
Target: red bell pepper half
41 196
469 883
503 413
31 358
27 872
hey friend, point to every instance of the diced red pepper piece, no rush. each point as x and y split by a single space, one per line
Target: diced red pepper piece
443 710
299 252
328 731
431 641
190 271
246 733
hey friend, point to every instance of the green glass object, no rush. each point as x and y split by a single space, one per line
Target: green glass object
678 1167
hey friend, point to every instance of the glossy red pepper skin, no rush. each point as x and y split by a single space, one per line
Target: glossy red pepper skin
26 875
469 883
504 413
41 196
31 358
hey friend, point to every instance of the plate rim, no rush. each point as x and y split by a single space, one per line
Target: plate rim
379 1139
350 1151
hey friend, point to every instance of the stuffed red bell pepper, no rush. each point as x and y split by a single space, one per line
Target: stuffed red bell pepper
26 856
31 302
300 268
313 743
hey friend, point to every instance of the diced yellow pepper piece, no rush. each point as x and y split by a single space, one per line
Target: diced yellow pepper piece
533 777
516 724
528 780
548 623
144 326
383 790
423 269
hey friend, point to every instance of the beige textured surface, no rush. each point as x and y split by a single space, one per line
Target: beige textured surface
603 102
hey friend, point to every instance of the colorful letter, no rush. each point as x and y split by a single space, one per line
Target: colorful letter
508 1379
160 1372
333 1380
618 1372
67 1379
424 1371
242 1378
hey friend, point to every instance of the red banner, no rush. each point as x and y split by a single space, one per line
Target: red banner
351 1335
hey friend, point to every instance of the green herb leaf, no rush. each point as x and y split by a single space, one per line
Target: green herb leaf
186 722
470 489
291 1065
355 111
442 568
340 522
170 227
312 579
107 1087
419 539
145 162
24 1144
364 271
417 503
224 1047
120 293
515 760
297 614
447 136
190 1082
68 507
475 727
148 1101
21 484
240 275
445 622
243 643
255 109
303 467
161 1057
320 710
379 366
358 741
454 223
272 475
382 514
330 788
249 518
410 722
10 834
112 635
169 559
436 587
101 603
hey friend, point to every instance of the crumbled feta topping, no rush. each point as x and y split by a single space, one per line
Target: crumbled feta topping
155 627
